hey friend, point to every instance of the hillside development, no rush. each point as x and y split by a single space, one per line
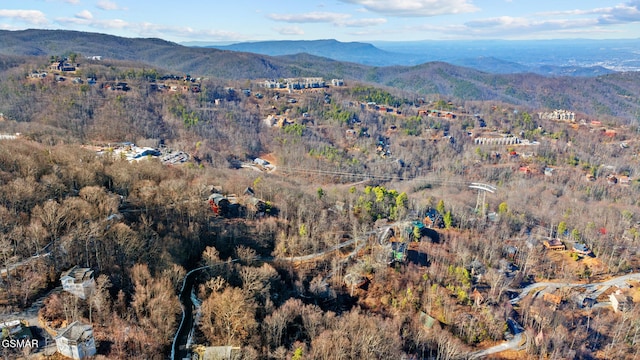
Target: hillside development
310 217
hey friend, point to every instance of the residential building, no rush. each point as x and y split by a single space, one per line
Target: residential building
216 352
510 140
581 249
78 281
76 341
554 244
304 83
9 136
273 84
398 252
62 66
38 75
619 301
624 180
15 329
552 298
427 321
563 115
337 82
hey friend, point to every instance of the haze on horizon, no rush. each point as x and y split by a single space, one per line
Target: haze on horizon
344 20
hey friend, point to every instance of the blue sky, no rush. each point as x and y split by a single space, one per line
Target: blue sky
344 20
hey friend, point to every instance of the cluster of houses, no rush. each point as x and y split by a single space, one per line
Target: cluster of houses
59 77
132 153
620 299
171 83
569 116
184 88
232 205
381 108
437 114
75 340
277 121
63 66
612 179
557 245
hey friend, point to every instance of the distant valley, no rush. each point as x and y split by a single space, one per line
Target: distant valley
549 58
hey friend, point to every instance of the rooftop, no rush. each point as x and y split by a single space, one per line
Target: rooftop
79 274
77 331
581 247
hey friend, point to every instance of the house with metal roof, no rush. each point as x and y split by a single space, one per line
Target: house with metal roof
76 341
78 281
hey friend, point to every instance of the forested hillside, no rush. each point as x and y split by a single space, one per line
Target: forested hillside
337 221
613 94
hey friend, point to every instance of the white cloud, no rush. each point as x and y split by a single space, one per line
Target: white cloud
338 19
10 27
108 5
363 22
312 17
513 27
290 30
146 29
84 14
628 12
623 13
162 31
34 17
544 24
416 8
72 2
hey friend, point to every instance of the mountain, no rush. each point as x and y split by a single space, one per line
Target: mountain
357 52
497 57
611 94
494 65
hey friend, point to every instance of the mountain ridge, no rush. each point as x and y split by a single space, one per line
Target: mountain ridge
358 52
370 54
611 94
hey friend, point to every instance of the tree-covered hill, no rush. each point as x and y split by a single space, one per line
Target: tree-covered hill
612 94
305 266
357 52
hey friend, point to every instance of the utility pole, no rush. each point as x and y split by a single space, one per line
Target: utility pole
483 189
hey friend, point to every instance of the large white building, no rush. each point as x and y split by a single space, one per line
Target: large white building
76 341
78 281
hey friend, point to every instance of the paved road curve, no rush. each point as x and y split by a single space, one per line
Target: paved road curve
519 339
178 347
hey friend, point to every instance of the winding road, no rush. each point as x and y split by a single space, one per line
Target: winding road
181 338
592 290
11 267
